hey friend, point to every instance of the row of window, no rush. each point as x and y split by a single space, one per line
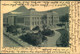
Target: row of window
27 18
36 18
20 20
36 23
39 22
27 23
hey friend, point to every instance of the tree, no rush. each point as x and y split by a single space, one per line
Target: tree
44 21
47 32
36 28
65 19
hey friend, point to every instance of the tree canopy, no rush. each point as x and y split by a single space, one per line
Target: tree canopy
65 18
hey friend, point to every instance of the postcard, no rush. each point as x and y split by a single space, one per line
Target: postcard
40 27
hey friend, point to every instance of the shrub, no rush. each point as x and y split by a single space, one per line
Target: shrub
36 28
5 25
64 38
44 38
25 28
47 32
33 38
12 29
60 25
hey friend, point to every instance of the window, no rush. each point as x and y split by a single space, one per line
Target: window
26 18
49 17
20 20
35 18
33 23
38 18
32 18
38 22
49 22
27 22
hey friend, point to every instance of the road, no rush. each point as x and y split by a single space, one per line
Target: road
7 42
52 40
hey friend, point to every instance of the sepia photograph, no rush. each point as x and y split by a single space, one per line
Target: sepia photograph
23 27
40 27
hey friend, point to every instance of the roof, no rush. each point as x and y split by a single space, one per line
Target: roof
21 10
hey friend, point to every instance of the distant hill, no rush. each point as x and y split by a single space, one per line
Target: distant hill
61 11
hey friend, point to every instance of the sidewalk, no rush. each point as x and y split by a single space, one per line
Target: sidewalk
17 40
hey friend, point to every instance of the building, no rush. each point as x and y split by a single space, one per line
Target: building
30 18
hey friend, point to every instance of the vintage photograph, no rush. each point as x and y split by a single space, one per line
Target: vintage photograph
23 27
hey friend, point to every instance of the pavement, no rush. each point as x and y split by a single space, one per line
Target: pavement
7 42
52 40
15 39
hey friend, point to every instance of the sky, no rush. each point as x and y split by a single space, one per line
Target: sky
8 8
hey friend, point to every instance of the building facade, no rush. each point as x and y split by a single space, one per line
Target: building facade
30 18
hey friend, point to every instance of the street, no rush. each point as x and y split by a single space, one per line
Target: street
7 42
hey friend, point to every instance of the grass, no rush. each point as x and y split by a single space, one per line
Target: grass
63 41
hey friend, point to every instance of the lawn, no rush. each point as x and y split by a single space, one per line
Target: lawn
63 41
